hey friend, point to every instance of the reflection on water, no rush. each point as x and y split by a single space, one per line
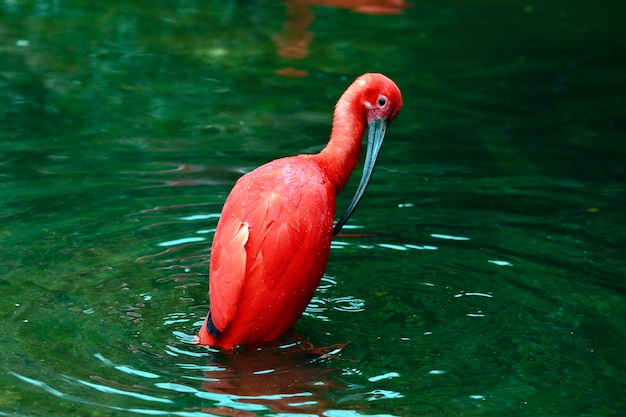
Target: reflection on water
482 274
271 379
293 41
290 378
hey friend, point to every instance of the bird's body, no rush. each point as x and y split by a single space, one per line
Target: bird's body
264 240
272 241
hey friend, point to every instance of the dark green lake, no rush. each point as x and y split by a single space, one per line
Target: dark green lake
486 273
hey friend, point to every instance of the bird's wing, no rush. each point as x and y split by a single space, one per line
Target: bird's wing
280 231
261 233
228 270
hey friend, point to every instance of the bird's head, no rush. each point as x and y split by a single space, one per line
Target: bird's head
382 101
381 97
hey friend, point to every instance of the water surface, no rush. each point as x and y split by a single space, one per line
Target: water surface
482 275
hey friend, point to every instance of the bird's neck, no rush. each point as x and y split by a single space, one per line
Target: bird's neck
341 155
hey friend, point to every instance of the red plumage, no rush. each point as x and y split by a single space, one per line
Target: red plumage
272 241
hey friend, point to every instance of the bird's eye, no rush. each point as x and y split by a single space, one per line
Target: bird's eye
382 101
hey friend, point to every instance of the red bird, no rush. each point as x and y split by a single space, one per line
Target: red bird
273 238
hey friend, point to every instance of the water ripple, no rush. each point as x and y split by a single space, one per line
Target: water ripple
125 368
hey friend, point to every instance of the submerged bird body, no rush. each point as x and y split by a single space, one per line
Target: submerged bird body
272 241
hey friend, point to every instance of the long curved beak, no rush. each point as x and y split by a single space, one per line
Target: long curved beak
375 137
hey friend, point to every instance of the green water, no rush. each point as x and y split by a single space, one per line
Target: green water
490 279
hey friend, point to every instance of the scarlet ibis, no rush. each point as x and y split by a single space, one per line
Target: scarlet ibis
273 237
